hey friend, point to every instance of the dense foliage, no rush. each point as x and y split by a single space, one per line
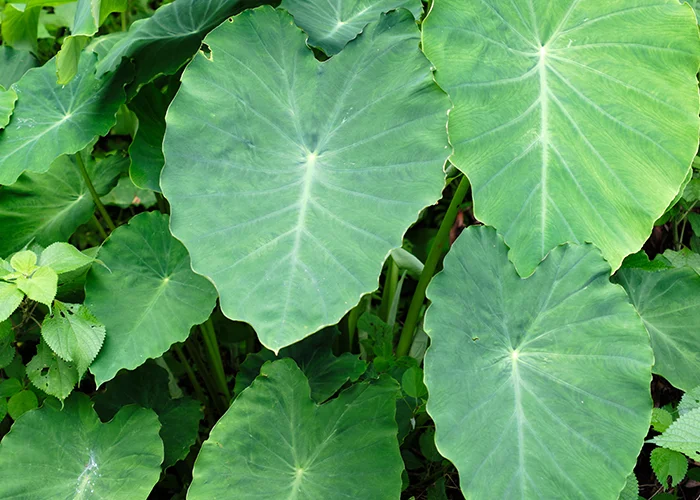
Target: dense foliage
366 249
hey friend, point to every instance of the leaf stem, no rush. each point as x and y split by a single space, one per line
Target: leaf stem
192 348
99 227
390 281
215 357
95 197
199 392
431 263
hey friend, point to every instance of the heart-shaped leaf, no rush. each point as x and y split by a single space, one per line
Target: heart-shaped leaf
668 302
308 173
276 442
542 382
76 456
575 121
333 23
146 294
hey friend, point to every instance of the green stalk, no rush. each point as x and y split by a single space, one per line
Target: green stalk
193 350
193 379
215 357
390 281
95 197
99 227
436 251
684 220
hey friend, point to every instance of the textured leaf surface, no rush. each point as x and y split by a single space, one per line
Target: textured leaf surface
575 121
49 207
553 371
164 42
667 463
51 374
631 489
668 302
690 401
146 294
76 456
308 173
683 435
51 120
275 442
660 419
147 386
40 286
14 64
332 24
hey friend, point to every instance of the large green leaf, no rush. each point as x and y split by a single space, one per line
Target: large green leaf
164 42
536 385
576 121
54 453
7 106
146 295
20 22
333 23
49 207
275 442
51 120
14 64
308 173
147 386
669 303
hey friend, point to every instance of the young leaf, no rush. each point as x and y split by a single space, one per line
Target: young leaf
7 348
51 120
516 364
308 173
332 24
683 435
146 294
667 463
660 419
24 262
51 374
147 386
275 439
19 404
10 299
668 302
412 382
575 121
75 456
74 334
41 286
63 258
49 207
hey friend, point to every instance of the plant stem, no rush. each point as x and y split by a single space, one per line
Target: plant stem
193 350
99 227
684 220
95 197
193 379
431 263
215 357
392 277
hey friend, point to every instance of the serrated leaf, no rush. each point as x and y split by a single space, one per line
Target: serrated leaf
147 386
49 373
14 64
10 299
73 333
332 24
63 258
660 419
21 403
668 302
320 167
7 348
299 449
76 456
49 207
515 364
667 463
683 435
51 120
24 262
41 286
689 401
631 489
146 294
683 258
574 121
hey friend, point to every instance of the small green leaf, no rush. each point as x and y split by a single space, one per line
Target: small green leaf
412 382
21 403
24 262
689 401
667 463
275 439
74 334
379 339
10 387
51 374
683 258
7 348
41 286
427 446
63 258
69 453
10 299
660 419
683 435
631 489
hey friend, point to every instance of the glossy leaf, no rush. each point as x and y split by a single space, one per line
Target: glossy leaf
308 173
51 120
51 374
49 207
575 121
553 371
14 64
146 295
74 334
332 24
76 456
276 442
669 304
147 386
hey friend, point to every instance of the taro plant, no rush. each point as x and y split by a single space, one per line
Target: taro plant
372 249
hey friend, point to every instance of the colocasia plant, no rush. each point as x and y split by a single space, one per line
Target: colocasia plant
360 249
